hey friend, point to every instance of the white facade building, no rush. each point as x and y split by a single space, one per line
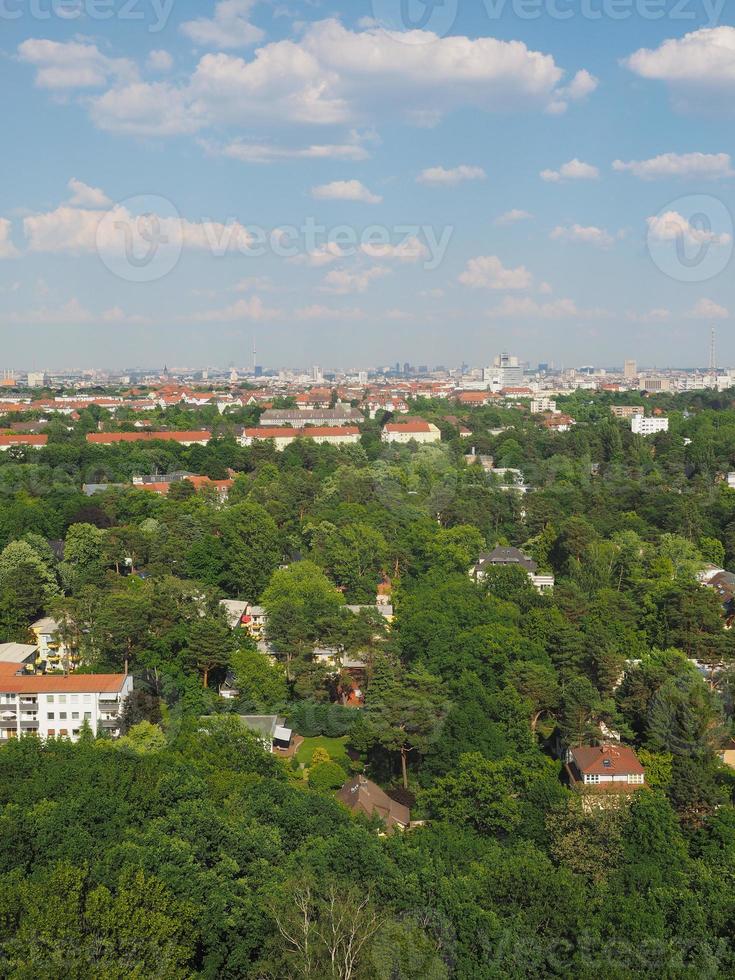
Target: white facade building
641 426
51 707
413 431
541 405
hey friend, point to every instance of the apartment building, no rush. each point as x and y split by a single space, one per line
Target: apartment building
414 431
641 426
627 411
56 706
282 436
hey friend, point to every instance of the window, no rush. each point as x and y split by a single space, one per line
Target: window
50 715
52 732
62 716
62 699
75 699
75 715
49 699
635 777
592 777
87 698
87 715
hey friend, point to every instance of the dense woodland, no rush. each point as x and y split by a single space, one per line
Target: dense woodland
184 850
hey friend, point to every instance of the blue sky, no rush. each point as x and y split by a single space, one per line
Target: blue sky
180 177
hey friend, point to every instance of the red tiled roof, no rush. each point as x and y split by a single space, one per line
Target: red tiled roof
17 439
417 425
73 684
280 432
107 438
606 759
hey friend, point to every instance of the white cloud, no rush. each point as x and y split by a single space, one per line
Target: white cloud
488 272
559 309
513 216
345 190
441 176
707 165
247 285
268 153
73 65
573 170
82 195
7 249
242 309
409 250
322 255
588 235
657 315
79 230
71 312
317 312
698 67
707 309
332 75
160 60
672 226
229 28
344 281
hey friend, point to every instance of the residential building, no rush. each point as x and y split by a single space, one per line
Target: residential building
23 655
627 411
51 706
360 795
603 769
271 729
254 620
334 435
52 651
505 370
235 610
731 480
298 418
540 405
192 438
642 426
559 422
500 557
415 430
9 440
630 370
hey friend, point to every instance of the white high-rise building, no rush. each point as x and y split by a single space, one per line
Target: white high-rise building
630 370
641 426
506 371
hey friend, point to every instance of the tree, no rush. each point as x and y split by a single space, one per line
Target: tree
261 684
478 793
403 712
539 685
83 556
252 549
684 719
209 646
143 737
326 776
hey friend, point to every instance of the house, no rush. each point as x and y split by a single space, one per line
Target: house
559 422
282 436
723 584
161 484
254 620
7 441
235 610
414 431
540 405
50 706
51 649
297 419
503 557
228 689
731 480
603 769
641 426
192 438
360 795
508 478
271 730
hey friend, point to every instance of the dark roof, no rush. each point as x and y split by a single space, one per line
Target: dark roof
361 795
508 556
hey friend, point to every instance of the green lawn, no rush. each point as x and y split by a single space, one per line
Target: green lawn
337 748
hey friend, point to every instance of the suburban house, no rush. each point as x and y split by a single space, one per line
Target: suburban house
559 422
282 436
723 583
195 438
271 729
50 706
7 441
360 795
603 769
416 430
23 655
162 483
503 557
298 418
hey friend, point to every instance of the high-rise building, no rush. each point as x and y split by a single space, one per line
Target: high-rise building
506 371
630 370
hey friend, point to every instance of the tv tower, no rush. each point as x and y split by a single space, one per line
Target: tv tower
713 352
255 360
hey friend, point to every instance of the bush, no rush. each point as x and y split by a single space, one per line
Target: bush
326 776
311 719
